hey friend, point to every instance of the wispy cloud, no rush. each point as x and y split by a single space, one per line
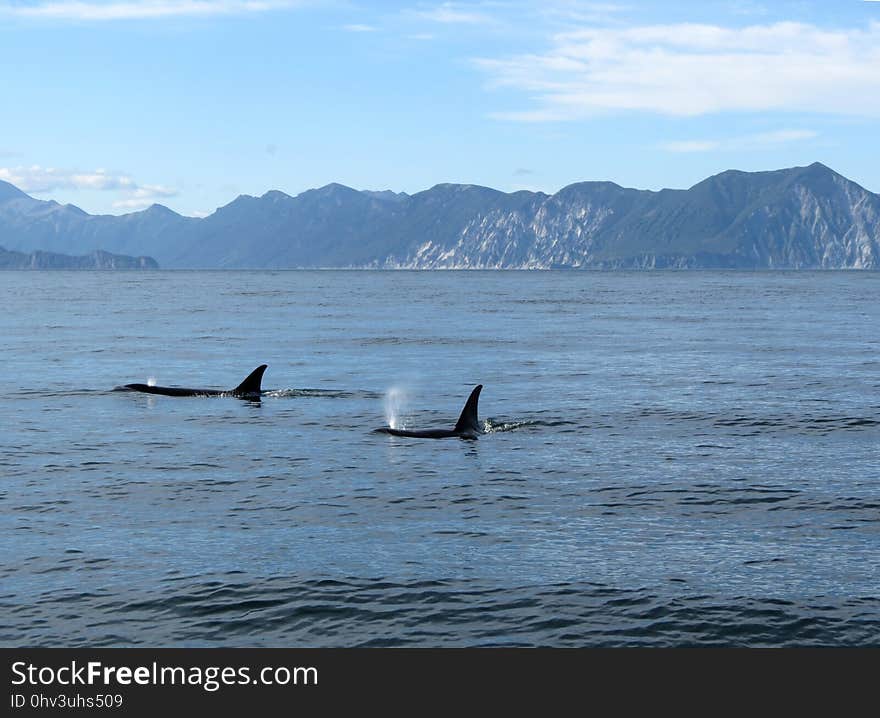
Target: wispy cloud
359 28
748 7
690 145
39 180
582 12
95 10
690 69
455 13
45 179
761 140
144 196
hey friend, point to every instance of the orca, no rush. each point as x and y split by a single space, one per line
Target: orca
250 388
468 426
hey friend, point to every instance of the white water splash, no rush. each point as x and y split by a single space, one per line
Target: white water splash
395 399
151 381
490 427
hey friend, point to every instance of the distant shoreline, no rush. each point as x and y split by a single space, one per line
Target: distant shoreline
487 270
98 260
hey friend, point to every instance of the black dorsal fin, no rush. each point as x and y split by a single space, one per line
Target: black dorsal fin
251 385
468 422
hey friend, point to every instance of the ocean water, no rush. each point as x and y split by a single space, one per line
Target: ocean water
671 458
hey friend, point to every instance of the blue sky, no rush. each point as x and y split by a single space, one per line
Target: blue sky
113 105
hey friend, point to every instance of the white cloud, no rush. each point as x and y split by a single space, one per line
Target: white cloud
748 7
95 10
152 191
144 196
359 28
691 145
40 180
455 13
762 140
131 204
582 12
45 179
690 69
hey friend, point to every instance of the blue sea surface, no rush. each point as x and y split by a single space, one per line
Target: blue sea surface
670 458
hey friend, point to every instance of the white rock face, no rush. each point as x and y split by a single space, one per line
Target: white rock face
814 218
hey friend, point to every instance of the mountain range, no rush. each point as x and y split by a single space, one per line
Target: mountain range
801 218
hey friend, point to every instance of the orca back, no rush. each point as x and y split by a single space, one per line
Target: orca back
468 423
